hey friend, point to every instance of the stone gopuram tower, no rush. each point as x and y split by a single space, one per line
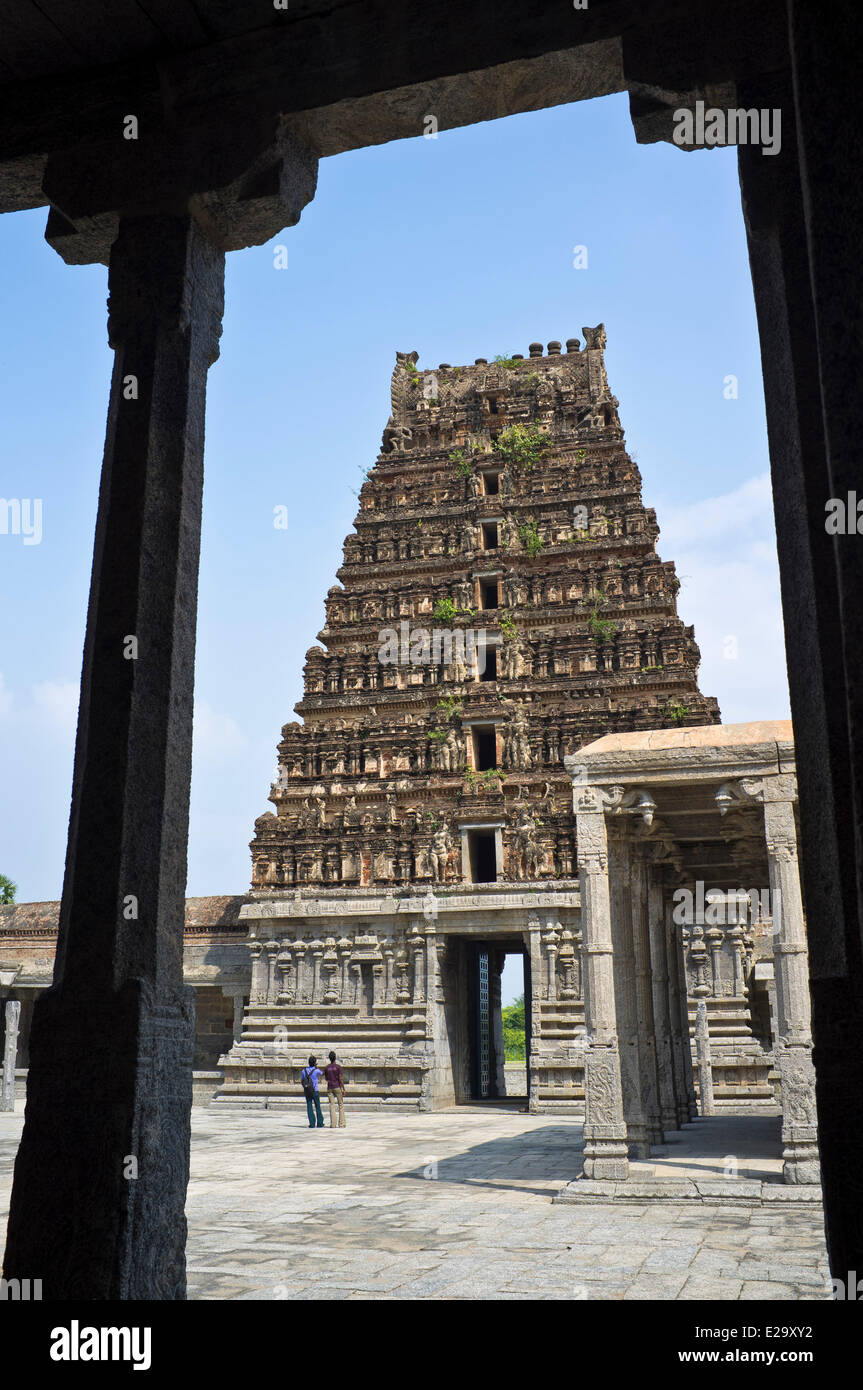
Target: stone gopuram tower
501 605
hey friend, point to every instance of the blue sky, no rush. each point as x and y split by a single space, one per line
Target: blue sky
460 247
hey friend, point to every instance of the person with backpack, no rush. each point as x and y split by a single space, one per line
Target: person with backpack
309 1078
335 1092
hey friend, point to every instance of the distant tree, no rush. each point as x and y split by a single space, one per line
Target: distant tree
8 889
514 1034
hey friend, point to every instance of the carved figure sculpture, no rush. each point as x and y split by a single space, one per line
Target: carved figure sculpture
529 853
517 743
439 854
512 654
453 752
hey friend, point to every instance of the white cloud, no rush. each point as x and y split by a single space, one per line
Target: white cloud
7 699
55 703
746 514
724 551
216 736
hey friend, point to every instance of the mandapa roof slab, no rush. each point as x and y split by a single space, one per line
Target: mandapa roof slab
702 736
717 751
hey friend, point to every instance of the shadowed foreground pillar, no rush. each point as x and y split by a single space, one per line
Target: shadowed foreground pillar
802 210
101 1174
827 52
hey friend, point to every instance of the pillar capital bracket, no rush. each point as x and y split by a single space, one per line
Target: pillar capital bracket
242 184
634 801
748 791
615 800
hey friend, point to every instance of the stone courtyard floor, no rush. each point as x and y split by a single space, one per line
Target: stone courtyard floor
457 1205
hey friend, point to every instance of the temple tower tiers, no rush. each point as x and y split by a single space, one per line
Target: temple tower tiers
502 519
501 604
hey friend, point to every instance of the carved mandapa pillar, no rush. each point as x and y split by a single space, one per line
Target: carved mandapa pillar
605 1148
687 1103
660 985
111 1047
619 875
634 923
705 1061
10 1054
794 1055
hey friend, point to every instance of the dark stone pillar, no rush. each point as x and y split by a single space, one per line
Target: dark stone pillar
110 1084
827 54
803 212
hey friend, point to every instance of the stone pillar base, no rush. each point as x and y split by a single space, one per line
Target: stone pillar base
800 1160
806 1172
606 1153
611 1166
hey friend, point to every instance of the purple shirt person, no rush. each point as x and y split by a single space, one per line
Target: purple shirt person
335 1093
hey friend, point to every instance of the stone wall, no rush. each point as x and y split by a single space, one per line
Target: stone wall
383 981
214 1027
215 965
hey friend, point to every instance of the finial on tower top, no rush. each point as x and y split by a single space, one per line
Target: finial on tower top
594 337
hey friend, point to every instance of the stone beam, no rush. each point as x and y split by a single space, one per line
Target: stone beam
363 74
702 55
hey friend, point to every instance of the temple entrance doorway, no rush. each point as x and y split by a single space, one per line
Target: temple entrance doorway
479 1039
